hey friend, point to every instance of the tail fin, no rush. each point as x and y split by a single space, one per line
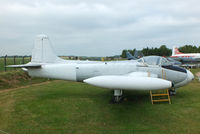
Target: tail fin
42 52
129 56
175 51
138 54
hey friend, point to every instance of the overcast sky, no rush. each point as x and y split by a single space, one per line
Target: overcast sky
97 27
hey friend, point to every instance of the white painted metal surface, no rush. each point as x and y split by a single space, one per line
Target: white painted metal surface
42 51
57 71
188 79
129 83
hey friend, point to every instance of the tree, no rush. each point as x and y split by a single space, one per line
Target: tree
189 49
164 51
161 51
123 55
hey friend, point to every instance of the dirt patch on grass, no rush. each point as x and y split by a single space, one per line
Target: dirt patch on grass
198 74
14 79
27 86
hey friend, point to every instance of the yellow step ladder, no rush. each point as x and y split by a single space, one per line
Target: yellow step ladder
160 95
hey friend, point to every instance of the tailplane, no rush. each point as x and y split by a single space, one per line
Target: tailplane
42 51
175 51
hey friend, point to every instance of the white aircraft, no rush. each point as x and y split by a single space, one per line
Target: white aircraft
185 57
147 73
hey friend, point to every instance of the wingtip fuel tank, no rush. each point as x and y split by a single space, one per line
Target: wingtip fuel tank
129 83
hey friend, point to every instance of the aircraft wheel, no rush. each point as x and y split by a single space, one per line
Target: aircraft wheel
172 92
117 99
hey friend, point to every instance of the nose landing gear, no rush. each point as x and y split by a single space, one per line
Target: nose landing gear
172 92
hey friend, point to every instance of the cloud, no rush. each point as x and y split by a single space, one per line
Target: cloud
98 28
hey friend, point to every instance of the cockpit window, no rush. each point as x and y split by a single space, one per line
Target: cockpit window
165 62
154 60
170 59
140 60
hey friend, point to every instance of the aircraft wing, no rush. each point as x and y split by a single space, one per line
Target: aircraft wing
132 81
29 65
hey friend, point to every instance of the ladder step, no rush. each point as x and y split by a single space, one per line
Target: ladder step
161 100
159 94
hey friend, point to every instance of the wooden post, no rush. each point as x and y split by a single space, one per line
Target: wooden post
5 63
23 59
14 60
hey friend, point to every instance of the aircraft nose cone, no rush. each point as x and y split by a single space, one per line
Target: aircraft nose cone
190 76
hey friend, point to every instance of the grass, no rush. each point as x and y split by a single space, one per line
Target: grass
17 78
63 107
10 61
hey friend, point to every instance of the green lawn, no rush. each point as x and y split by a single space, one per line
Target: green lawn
10 61
63 107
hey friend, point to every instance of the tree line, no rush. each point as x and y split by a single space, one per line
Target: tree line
162 50
189 49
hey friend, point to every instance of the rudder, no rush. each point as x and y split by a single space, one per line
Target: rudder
42 51
175 51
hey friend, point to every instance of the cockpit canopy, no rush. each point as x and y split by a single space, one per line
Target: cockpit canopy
154 60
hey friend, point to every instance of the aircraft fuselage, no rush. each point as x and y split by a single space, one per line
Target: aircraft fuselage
80 71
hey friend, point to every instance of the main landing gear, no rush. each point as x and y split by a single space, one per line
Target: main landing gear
117 98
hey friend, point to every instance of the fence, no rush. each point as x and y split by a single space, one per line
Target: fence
12 60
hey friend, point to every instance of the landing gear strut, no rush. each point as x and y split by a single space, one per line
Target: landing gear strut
117 96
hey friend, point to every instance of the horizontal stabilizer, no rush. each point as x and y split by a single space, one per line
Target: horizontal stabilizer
29 65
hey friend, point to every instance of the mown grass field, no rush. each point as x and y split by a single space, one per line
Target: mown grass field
63 107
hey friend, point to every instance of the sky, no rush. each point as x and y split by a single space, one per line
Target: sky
97 27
